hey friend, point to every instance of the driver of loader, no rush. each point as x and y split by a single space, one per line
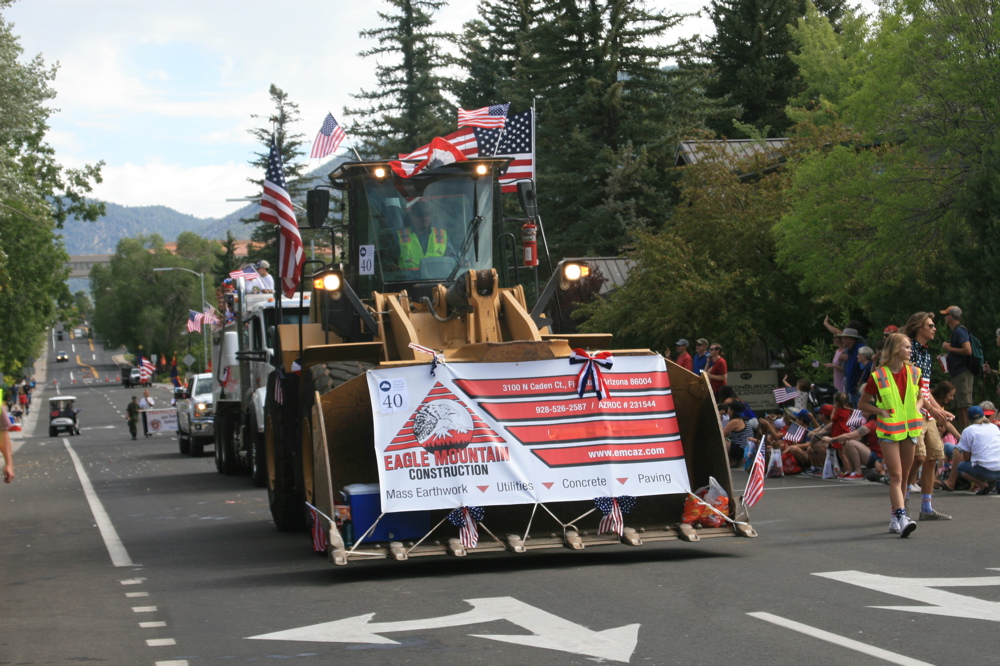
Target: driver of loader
419 239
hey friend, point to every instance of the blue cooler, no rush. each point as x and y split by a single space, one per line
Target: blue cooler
366 505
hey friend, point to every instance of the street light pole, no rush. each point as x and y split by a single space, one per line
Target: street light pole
201 276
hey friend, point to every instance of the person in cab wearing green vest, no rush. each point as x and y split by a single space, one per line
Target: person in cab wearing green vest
893 396
420 240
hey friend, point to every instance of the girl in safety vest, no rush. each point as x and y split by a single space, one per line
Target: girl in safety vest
892 395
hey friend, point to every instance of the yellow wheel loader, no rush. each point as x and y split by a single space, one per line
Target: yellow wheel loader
425 408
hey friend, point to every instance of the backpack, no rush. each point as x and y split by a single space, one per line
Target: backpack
978 359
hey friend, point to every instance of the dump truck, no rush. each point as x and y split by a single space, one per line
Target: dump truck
424 408
242 353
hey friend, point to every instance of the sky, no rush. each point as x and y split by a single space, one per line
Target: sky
164 92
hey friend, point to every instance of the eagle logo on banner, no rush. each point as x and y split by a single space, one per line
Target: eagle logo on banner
442 422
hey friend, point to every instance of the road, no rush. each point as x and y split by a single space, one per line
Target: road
167 562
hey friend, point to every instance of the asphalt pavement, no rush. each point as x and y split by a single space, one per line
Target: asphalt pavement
125 552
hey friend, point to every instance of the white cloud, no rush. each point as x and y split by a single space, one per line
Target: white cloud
197 190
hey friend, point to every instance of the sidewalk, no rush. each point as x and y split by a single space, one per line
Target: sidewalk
28 422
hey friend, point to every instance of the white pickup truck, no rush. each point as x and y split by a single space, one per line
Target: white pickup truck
194 415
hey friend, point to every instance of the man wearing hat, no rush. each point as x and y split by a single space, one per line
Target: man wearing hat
267 281
700 359
852 371
683 357
959 349
980 447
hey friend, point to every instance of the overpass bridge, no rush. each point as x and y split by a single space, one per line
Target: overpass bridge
80 264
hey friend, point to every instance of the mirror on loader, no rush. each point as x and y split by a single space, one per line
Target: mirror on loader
526 195
317 207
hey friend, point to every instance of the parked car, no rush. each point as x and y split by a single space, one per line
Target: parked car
63 415
194 415
62 356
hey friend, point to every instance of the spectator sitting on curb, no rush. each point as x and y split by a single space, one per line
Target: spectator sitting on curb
980 447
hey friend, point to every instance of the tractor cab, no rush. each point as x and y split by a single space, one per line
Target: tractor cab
63 415
417 232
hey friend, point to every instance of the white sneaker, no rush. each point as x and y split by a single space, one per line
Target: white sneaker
914 488
894 526
906 526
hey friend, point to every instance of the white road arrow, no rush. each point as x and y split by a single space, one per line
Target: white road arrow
550 631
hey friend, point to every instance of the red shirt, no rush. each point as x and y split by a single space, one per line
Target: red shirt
684 360
719 368
871 388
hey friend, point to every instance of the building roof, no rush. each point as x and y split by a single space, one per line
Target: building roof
692 152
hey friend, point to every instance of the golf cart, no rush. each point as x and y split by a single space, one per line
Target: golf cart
62 415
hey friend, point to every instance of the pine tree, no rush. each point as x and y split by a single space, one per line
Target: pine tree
407 108
278 125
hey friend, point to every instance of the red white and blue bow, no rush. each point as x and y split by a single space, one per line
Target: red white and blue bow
436 356
466 518
590 373
613 508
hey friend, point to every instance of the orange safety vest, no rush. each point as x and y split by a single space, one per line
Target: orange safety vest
904 421
410 251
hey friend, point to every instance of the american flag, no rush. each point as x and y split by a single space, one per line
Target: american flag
276 208
247 273
318 531
784 395
211 317
194 321
328 138
279 395
465 518
516 140
488 116
856 419
613 508
795 433
755 484
146 369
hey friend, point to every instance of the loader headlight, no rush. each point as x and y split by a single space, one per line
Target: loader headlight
329 281
572 272
482 169
379 172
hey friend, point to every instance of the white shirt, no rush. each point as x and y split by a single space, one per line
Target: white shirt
266 283
982 440
146 403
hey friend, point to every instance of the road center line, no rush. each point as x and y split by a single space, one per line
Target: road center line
841 641
116 549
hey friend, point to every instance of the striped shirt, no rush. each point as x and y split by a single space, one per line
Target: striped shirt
920 356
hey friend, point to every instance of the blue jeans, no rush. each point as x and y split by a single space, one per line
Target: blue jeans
978 472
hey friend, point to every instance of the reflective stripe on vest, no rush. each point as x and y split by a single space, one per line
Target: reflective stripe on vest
410 251
905 420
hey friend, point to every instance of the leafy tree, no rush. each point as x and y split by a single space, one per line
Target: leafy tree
133 306
36 196
227 260
713 272
407 108
908 213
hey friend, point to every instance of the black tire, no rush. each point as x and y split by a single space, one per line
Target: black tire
183 443
285 496
230 466
216 427
257 453
53 432
197 447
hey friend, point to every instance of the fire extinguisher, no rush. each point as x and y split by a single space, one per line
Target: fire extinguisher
529 241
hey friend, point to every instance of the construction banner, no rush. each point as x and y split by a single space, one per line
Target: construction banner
479 434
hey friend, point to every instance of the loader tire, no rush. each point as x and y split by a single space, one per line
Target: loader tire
285 495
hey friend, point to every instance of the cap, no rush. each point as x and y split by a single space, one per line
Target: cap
953 310
779 423
701 341
682 342
263 264
890 329
802 414
975 413
826 410
849 333
988 408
